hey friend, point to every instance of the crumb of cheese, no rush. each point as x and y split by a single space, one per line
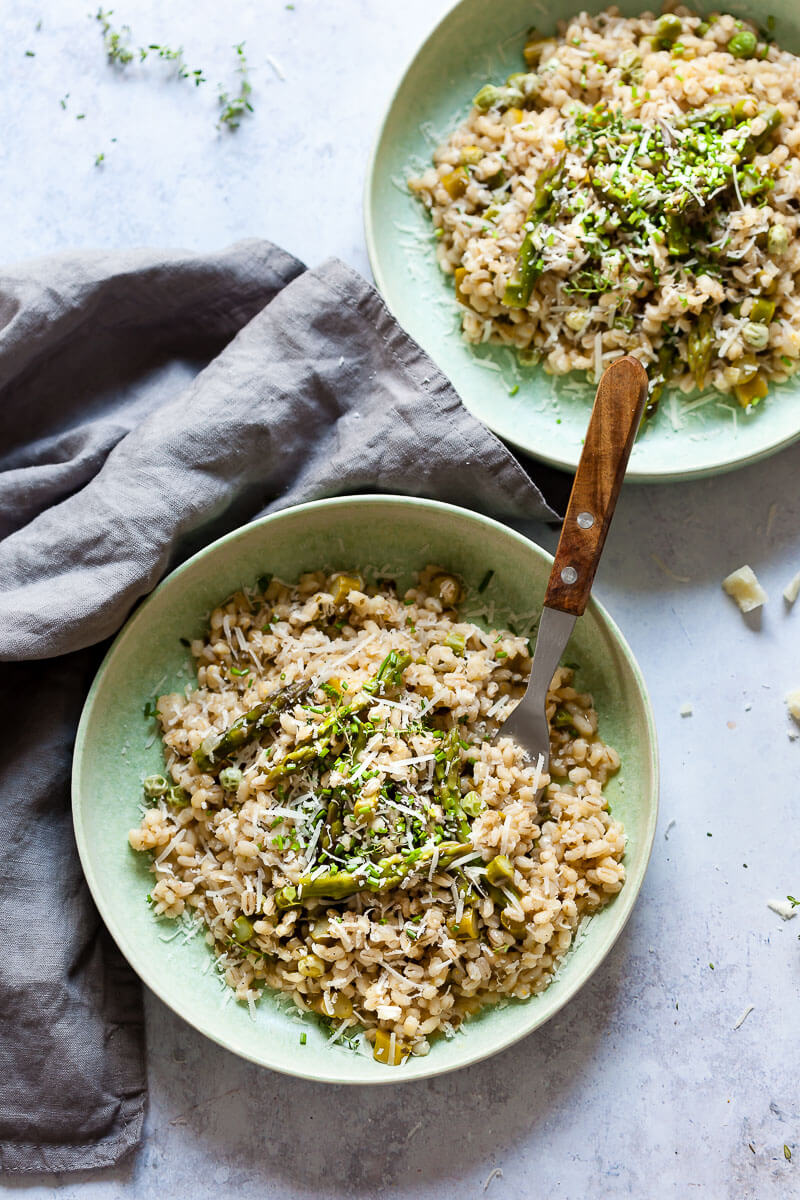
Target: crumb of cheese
793 703
792 589
686 709
784 908
745 589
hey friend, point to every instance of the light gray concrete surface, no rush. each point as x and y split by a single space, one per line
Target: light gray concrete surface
641 1087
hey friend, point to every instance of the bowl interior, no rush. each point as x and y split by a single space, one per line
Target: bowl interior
117 746
475 43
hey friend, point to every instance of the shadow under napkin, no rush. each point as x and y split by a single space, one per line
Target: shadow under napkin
119 462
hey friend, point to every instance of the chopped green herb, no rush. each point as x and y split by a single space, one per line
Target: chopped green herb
303 1036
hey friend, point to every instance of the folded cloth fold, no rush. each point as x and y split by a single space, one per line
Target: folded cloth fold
153 402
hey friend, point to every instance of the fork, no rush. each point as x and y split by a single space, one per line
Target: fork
615 419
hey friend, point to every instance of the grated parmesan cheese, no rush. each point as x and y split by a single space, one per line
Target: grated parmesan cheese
784 908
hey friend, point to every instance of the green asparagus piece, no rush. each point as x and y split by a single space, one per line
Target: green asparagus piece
390 672
659 380
700 344
529 264
677 235
755 142
218 747
332 827
448 773
387 874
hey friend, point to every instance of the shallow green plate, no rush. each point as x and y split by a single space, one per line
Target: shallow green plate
476 42
116 747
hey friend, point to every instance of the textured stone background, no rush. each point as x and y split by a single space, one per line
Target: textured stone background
641 1087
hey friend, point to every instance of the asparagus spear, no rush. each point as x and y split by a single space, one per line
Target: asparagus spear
387 874
448 774
699 347
529 265
217 747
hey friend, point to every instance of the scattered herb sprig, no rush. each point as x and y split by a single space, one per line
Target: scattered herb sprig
234 107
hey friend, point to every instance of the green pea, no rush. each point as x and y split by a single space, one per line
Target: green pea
743 44
155 786
230 778
668 30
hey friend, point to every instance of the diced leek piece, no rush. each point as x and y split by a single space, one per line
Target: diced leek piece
763 310
500 870
471 155
472 804
467 928
752 391
388 1049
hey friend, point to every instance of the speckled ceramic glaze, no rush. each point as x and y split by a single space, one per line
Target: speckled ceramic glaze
116 746
475 43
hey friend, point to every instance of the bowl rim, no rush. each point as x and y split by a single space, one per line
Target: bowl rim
624 902
369 204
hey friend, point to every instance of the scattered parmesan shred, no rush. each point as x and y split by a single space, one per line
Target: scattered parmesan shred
784 908
792 589
793 703
744 588
744 1016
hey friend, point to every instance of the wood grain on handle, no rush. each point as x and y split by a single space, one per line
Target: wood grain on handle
615 418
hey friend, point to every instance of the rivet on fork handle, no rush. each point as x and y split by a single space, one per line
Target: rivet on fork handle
617 412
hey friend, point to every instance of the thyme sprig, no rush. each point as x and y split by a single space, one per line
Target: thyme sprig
120 51
235 107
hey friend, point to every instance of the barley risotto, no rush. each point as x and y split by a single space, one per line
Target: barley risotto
633 189
336 818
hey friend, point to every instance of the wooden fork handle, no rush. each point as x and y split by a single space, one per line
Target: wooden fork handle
616 414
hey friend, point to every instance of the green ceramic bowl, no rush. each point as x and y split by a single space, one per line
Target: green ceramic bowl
476 42
116 747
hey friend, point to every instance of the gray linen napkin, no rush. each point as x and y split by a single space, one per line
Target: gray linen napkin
150 403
